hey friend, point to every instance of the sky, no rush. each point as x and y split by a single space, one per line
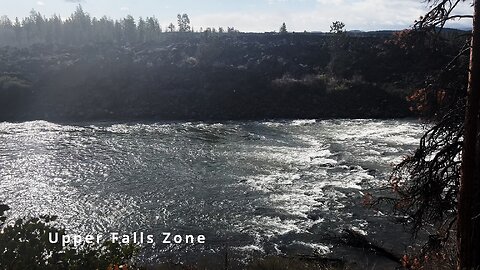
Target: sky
247 15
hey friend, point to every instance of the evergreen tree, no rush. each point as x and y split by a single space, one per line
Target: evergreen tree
283 29
129 29
153 28
337 27
183 23
141 30
443 174
171 27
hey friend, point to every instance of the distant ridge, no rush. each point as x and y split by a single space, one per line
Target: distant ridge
383 33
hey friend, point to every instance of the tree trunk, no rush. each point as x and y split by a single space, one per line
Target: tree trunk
467 234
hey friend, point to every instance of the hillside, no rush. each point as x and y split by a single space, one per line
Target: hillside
214 76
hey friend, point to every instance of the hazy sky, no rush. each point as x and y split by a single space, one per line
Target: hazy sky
245 15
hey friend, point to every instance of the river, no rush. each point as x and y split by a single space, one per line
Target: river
252 188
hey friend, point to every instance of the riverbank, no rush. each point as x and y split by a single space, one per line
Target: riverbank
201 76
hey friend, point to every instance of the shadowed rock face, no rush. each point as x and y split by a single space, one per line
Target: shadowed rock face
206 77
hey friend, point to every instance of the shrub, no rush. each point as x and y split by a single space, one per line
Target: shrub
25 245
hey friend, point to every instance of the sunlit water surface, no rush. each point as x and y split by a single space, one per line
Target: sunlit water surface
251 187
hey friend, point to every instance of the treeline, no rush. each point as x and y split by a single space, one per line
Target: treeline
81 28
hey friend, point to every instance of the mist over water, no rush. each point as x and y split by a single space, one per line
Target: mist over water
274 187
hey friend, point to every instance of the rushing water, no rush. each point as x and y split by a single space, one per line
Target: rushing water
262 187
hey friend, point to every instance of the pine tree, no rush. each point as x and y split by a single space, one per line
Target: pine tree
283 29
